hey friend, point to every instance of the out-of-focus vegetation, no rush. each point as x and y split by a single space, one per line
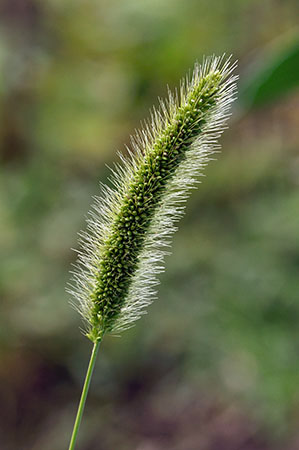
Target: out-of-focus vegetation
215 363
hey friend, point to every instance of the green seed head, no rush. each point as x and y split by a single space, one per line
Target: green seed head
124 245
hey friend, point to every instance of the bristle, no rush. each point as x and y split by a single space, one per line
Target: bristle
129 227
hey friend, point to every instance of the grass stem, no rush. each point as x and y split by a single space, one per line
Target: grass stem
85 389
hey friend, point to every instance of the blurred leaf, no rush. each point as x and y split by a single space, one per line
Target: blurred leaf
275 77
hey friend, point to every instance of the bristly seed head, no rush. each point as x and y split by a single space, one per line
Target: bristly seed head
129 226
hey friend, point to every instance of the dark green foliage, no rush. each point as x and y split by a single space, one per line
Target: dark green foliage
276 76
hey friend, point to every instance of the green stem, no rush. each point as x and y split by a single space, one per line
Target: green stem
85 389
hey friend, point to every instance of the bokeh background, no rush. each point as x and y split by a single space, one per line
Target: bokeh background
214 365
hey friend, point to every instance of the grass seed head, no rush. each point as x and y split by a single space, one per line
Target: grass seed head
130 226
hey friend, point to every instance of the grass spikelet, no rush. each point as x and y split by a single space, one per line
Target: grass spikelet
130 226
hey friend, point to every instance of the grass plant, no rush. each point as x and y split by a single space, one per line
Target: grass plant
130 225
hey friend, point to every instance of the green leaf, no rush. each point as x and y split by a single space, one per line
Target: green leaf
276 76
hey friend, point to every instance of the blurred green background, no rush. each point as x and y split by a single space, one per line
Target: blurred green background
215 363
